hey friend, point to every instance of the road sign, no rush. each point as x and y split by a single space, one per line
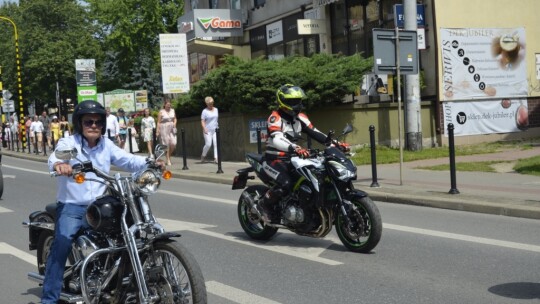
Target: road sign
9 106
384 51
7 94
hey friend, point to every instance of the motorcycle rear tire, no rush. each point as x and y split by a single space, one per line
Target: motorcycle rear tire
257 230
43 248
370 216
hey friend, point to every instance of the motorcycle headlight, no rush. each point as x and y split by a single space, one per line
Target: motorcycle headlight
342 172
147 181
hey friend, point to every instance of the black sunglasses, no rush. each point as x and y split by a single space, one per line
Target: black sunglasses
90 122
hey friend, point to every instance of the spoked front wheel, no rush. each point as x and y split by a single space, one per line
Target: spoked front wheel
250 220
363 230
175 275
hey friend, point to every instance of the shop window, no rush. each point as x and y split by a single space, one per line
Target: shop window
276 52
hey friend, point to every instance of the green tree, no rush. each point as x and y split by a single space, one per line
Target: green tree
52 34
250 85
129 33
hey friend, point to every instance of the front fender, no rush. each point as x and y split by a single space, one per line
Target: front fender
165 236
356 193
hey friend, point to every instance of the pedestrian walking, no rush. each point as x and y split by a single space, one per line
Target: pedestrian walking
112 126
166 128
46 121
123 121
148 124
209 123
37 129
55 129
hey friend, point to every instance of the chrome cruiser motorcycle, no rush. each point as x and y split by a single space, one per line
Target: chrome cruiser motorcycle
323 196
126 256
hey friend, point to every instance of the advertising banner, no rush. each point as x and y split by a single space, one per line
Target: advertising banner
120 99
486 117
483 63
253 125
85 74
174 63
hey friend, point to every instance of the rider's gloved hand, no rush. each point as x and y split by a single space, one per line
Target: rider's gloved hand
303 153
345 147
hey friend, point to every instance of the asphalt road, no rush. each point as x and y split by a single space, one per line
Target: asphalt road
425 256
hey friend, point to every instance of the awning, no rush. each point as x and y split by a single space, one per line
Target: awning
209 47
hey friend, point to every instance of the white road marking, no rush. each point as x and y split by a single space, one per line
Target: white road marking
200 197
9 176
27 170
5 210
25 256
235 294
306 251
463 237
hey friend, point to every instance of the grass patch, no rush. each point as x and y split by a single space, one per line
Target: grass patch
387 155
528 166
485 166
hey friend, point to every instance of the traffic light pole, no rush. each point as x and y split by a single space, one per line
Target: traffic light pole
19 79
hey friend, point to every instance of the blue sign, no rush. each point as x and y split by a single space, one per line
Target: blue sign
399 17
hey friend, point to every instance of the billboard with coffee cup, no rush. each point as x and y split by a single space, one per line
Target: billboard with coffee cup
483 63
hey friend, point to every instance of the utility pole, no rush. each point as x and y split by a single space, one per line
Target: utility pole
413 119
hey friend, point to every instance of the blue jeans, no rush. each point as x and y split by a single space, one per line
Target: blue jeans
70 218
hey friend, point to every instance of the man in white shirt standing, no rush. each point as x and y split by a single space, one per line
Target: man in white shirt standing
113 128
37 128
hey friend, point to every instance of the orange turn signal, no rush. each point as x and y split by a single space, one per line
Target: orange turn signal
166 174
79 178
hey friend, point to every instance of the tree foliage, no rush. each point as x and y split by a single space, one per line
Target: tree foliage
129 32
121 35
250 85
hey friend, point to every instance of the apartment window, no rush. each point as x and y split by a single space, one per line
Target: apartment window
235 4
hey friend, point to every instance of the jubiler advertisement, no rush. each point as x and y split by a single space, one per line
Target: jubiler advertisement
483 63
486 117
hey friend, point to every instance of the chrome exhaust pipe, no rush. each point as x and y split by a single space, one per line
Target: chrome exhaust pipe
66 297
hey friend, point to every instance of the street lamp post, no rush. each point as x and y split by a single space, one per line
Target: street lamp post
19 79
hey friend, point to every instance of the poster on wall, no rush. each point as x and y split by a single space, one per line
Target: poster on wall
120 99
487 116
483 63
174 63
253 125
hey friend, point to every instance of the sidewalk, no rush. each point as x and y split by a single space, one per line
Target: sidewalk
503 193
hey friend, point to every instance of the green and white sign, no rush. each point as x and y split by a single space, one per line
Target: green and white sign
86 79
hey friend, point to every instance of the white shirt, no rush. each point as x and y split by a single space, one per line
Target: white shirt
210 119
37 126
112 126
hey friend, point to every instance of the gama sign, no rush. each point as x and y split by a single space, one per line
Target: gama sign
218 23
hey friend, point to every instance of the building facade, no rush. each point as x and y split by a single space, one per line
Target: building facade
480 63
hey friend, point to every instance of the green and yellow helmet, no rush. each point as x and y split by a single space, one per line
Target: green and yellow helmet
289 98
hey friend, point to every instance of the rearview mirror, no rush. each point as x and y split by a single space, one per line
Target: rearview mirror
66 154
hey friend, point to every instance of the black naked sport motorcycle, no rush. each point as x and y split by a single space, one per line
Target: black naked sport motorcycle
127 256
323 196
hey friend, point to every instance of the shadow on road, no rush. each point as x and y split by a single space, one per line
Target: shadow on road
518 290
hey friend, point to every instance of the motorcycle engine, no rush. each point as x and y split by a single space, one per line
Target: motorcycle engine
293 214
85 246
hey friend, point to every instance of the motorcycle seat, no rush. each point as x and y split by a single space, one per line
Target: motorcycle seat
51 209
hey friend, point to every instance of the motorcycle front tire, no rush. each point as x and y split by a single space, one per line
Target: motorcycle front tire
183 262
253 226
368 217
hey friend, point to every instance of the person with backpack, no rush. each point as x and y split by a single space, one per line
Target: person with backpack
123 121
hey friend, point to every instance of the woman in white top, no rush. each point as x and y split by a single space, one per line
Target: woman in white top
209 122
148 124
